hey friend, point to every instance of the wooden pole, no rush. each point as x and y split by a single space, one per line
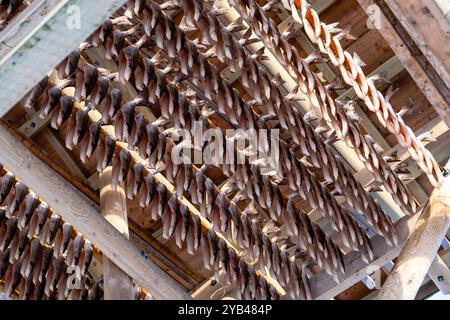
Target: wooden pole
420 249
117 284
83 214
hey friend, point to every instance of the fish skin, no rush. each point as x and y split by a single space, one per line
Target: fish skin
53 94
188 176
67 230
139 130
6 186
71 128
36 93
55 223
201 188
11 228
245 230
66 103
206 252
110 147
151 188
138 178
243 274
197 231
128 60
175 217
36 254
4 262
23 241
213 246
116 102
162 144
190 241
14 282
88 250
223 256
43 212
153 138
233 210
2 215
82 121
162 194
125 163
20 193
99 93
186 223
94 138
90 80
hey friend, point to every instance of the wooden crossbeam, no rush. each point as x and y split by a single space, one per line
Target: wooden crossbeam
36 125
79 211
40 37
427 25
444 257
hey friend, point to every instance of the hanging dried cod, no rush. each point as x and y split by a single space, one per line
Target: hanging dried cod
327 39
37 247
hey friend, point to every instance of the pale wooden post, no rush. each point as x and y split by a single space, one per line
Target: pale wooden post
117 284
421 247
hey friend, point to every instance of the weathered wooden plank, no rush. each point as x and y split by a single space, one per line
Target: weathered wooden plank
42 36
412 60
429 28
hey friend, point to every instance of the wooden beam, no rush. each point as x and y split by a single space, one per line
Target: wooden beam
427 25
76 209
421 247
36 125
42 36
116 283
411 57
439 272
66 155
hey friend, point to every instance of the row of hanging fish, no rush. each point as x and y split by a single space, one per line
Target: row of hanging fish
374 207
37 247
367 199
324 37
367 149
191 173
188 172
155 198
342 118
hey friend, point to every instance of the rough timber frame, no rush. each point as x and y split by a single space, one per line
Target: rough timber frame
17 54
